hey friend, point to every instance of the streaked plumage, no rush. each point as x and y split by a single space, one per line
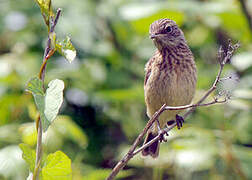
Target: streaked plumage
170 75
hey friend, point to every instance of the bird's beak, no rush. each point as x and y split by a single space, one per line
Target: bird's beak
153 36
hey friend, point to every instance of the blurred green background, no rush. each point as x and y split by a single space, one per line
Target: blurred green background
103 109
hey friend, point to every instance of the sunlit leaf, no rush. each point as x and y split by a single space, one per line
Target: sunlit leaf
57 167
66 49
28 155
35 86
46 10
48 104
53 99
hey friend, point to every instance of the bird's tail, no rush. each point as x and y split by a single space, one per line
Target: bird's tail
153 149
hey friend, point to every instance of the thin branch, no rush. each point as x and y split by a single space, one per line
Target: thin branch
48 44
158 137
47 54
38 150
246 13
132 152
55 20
129 155
50 53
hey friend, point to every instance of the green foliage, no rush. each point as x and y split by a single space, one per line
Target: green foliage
46 10
66 49
48 104
57 166
53 99
35 86
29 155
103 109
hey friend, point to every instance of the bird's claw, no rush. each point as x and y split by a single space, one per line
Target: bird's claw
171 122
162 138
179 121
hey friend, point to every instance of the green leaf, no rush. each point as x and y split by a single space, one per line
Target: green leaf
28 155
53 99
46 10
57 167
47 104
66 49
35 86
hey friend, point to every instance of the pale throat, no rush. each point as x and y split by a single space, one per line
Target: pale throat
162 45
170 46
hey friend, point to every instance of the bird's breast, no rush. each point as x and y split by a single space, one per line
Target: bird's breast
172 83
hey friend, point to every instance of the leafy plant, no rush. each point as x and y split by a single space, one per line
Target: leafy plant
48 102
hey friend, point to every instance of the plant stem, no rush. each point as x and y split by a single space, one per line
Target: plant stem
47 54
38 150
50 53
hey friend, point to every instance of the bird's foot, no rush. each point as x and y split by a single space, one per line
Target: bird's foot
179 121
160 133
171 122
162 137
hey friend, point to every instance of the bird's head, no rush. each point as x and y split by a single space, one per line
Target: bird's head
165 33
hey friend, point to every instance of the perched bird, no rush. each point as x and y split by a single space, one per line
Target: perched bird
170 77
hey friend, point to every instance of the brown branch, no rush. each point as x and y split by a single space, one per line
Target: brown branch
158 137
246 13
129 155
48 44
132 152
43 66
166 130
47 54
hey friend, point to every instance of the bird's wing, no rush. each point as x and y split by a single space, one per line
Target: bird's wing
148 70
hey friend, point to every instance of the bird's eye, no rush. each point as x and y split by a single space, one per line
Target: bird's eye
168 29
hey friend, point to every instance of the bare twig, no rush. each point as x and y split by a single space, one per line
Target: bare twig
223 58
48 44
246 13
47 54
43 66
